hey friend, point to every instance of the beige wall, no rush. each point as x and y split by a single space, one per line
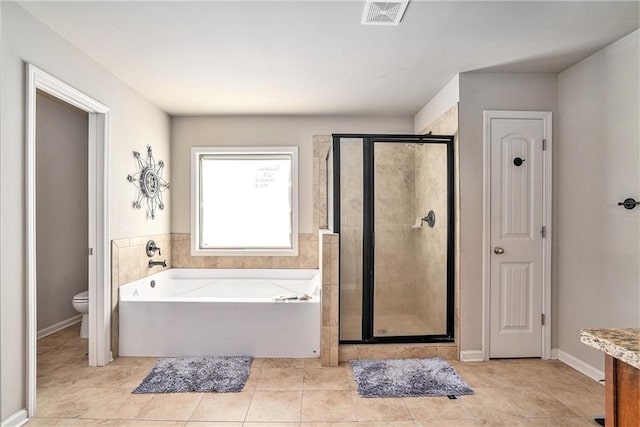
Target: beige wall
62 216
134 124
598 165
479 92
187 132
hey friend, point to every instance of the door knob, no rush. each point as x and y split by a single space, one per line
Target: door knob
498 250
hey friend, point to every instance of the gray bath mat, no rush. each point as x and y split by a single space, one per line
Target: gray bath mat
407 378
199 374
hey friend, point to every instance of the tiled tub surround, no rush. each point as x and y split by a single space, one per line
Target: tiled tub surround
129 262
307 256
221 312
329 271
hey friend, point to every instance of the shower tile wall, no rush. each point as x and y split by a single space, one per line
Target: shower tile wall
445 124
395 264
431 243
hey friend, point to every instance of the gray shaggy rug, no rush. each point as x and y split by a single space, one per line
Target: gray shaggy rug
407 378
197 374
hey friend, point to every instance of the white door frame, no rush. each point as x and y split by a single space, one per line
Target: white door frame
99 263
545 116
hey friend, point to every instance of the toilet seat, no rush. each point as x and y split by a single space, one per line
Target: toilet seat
81 297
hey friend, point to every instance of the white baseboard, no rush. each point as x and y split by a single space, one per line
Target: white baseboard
18 419
471 356
580 366
59 326
554 354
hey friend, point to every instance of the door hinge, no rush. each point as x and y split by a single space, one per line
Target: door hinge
90 251
543 232
544 145
542 319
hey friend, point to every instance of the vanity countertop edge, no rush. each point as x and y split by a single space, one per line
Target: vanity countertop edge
621 343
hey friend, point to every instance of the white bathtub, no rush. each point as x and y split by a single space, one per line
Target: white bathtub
199 312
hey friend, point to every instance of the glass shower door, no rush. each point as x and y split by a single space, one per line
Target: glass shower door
410 267
392 206
351 238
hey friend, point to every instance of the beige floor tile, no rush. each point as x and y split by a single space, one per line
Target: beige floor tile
64 422
155 423
135 361
280 379
328 405
382 409
253 379
507 422
447 423
583 400
223 407
212 424
508 393
331 424
170 407
104 402
64 402
133 405
386 423
436 408
488 403
557 422
312 363
326 379
251 424
283 363
275 406
536 402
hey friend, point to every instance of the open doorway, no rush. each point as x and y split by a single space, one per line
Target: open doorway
95 116
62 232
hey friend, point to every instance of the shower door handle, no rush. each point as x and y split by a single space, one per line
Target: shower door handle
498 250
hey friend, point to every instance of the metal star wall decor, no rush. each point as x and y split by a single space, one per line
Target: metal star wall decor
149 182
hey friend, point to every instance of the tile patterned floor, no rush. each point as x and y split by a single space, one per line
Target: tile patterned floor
301 393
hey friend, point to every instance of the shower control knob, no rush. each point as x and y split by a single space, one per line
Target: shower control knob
498 250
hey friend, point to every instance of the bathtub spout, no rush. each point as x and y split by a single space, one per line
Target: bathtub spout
154 263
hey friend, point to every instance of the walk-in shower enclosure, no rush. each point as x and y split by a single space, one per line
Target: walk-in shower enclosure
390 197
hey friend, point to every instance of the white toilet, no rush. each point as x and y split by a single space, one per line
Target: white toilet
81 304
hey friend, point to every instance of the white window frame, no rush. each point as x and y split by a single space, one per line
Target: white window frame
196 153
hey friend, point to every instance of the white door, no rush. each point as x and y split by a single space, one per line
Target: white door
516 146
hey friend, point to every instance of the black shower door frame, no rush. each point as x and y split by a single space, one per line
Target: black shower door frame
368 255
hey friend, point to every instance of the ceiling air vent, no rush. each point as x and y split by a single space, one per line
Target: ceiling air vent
384 12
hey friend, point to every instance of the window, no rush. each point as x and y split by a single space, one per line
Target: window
244 201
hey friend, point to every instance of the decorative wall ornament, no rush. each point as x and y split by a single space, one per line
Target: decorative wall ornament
149 182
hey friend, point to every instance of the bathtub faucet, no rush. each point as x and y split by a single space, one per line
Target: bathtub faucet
154 263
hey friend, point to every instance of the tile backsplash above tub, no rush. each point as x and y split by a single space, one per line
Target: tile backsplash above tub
307 256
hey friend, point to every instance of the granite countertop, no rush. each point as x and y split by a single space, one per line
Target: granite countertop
621 343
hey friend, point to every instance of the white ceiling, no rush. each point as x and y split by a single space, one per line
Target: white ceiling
306 57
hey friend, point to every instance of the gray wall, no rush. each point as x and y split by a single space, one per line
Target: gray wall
134 124
479 92
62 208
598 165
202 131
